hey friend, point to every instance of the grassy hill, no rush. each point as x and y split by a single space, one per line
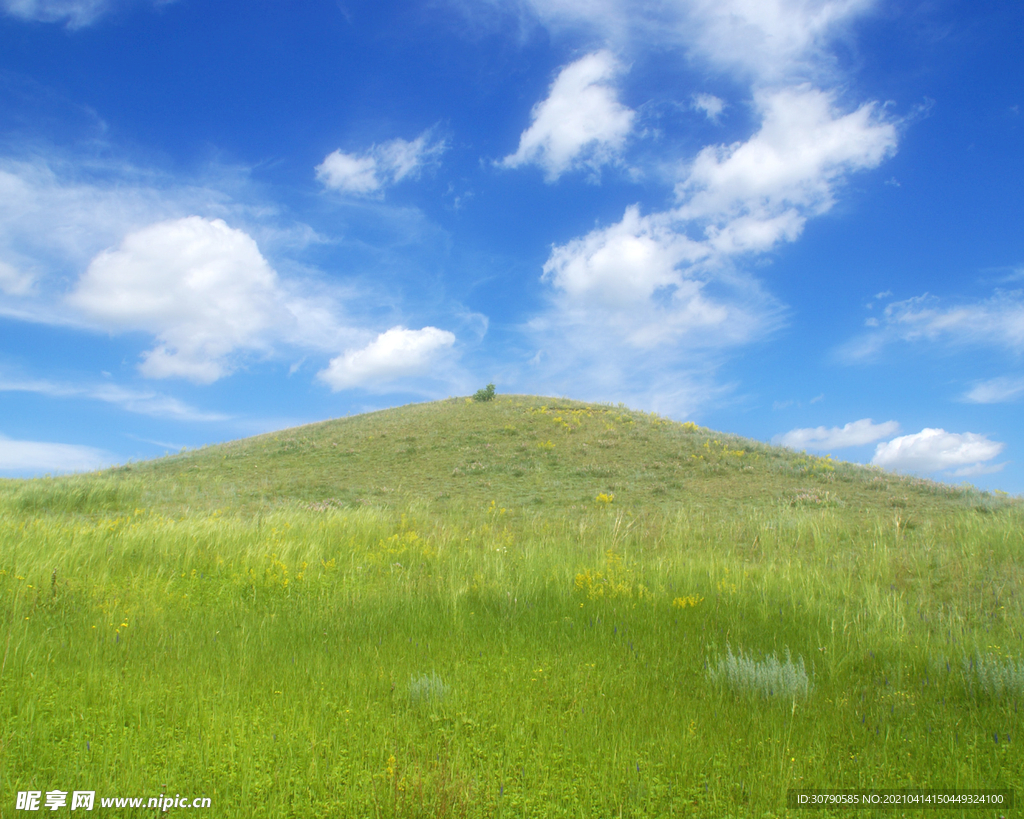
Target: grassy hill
519 451
524 607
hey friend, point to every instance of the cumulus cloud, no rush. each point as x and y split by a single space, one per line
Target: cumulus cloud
761 191
201 287
668 277
395 354
664 290
995 391
381 166
34 457
58 211
856 433
52 219
144 402
624 263
636 283
205 290
994 322
932 450
581 123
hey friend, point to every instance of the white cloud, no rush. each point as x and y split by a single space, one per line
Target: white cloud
766 41
587 364
667 278
13 281
635 283
349 173
662 295
144 402
931 450
202 288
710 105
57 213
995 391
856 433
998 320
52 218
977 469
769 40
624 263
756 193
994 322
379 167
394 354
205 290
38 457
75 13
580 124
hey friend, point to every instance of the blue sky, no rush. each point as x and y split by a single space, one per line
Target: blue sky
795 220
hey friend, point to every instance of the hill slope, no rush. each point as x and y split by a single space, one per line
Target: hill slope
518 451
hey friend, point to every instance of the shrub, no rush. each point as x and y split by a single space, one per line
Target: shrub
768 677
994 677
486 394
428 689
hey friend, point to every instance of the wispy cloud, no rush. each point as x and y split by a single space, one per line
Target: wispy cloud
995 391
370 172
34 457
143 402
764 42
994 322
581 123
14 282
856 433
933 450
57 213
75 13
710 105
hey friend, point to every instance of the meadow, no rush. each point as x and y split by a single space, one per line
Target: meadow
521 607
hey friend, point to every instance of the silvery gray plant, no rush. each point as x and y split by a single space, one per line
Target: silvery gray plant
427 689
768 677
994 677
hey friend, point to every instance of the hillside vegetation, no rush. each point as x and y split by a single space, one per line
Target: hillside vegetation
521 452
519 607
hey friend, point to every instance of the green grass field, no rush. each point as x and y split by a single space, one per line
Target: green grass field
524 607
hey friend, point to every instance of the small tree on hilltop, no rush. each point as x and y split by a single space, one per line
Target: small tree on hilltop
486 394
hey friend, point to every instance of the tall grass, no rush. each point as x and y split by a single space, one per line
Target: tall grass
74 494
495 661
